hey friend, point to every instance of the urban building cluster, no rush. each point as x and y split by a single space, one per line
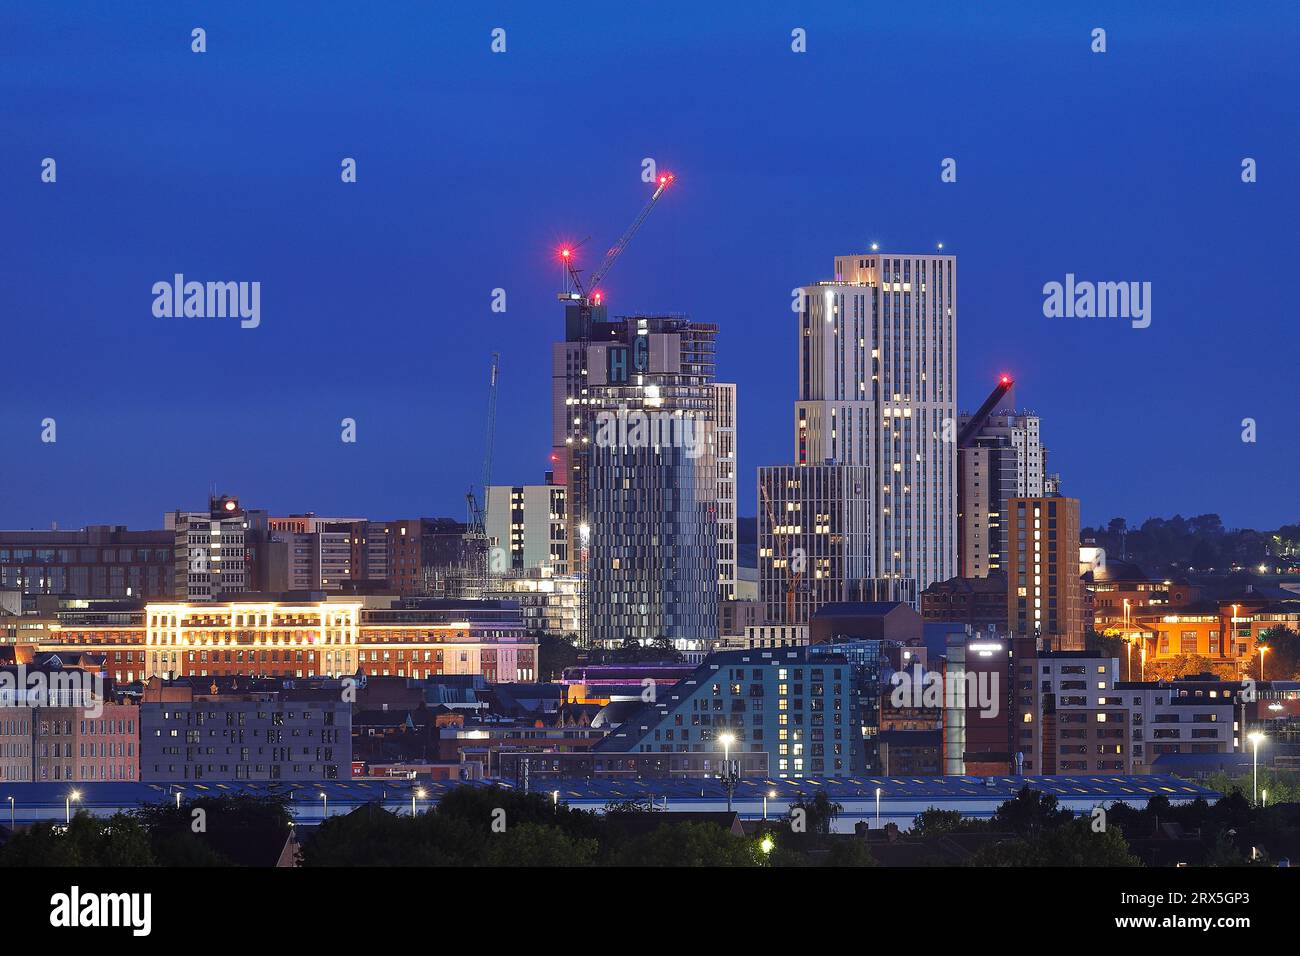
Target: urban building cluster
917 600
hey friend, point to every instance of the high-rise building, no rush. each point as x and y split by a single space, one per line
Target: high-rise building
877 393
1000 456
1044 591
219 551
813 538
635 431
528 523
727 458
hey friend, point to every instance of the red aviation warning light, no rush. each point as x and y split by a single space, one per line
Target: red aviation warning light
1005 380
579 293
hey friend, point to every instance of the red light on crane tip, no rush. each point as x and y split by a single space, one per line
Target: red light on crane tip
565 253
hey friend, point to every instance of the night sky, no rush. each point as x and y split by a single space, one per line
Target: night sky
473 166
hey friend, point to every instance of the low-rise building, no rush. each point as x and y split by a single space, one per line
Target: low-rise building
782 703
244 730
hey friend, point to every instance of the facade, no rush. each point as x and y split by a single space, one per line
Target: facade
727 456
1071 718
1227 632
791 708
647 420
73 740
245 736
57 726
550 603
877 386
99 561
1185 716
980 603
315 636
814 533
978 726
219 551
1044 591
735 616
989 469
528 522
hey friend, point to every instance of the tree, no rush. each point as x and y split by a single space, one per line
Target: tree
819 812
533 844
1185 665
1282 661
1029 812
691 844
226 830
935 822
849 851
1072 842
85 841
554 654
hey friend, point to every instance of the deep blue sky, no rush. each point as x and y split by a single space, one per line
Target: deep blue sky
375 299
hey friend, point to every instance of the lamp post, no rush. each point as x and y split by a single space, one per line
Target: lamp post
1262 651
11 814
877 808
1255 738
728 778
417 792
326 801
770 793
67 806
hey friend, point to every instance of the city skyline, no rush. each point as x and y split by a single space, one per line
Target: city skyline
376 295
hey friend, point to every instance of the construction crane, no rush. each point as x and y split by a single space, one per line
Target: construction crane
478 515
589 295
791 577
982 415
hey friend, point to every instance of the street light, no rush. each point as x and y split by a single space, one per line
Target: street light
1262 651
770 793
767 843
326 800
728 779
877 808
1255 738
417 792
67 806
11 814
555 799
